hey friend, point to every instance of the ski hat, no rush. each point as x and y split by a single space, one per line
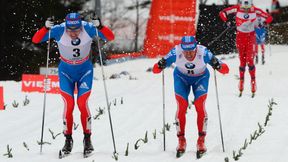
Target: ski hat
73 21
246 4
188 43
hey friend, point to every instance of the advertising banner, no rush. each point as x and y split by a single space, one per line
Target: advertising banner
168 22
37 83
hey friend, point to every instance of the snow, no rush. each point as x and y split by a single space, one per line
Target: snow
141 111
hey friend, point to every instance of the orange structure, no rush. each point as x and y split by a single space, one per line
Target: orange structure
168 21
1 99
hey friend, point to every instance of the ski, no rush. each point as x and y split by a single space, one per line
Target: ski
63 154
199 154
87 153
179 154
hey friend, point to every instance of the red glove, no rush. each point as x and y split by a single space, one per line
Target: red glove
156 69
224 69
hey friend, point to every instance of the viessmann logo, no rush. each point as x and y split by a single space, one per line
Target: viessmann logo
38 83
42 84
173 18
171 37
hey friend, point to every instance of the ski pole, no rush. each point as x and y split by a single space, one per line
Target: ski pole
163 94
45 85
220 35
219 115
269 40
106 93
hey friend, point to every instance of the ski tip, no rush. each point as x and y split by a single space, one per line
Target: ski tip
60 155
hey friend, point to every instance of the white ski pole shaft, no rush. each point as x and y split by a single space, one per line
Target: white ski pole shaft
106 93
45 90
219 114
163 94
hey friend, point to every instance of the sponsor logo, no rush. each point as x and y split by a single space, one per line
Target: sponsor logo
189 65
171 37
38 83
201 88
73 22
174 18
84 85
75 42
246 16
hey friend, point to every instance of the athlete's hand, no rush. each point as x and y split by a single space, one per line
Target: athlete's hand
162 63
97 22
228 24
49 23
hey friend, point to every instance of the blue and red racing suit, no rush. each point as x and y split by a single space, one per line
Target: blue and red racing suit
75 68
191 74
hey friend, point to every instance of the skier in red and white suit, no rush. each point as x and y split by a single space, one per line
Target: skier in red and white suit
246 14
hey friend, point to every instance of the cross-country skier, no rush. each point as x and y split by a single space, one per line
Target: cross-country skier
246 14
74 38
261 33
190 72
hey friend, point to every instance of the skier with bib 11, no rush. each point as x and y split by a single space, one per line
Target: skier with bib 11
246 14
190 72
74 38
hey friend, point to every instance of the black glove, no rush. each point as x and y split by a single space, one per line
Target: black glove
162 63
49 23
215 63
228 24
97 22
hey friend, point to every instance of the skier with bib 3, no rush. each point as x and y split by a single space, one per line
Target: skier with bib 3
74 38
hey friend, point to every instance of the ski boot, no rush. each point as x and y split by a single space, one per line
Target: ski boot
201 148
68 144
181 146
263 59
241 86
256 59
253 87
88 148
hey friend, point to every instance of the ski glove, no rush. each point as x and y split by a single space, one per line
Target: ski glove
228 24
215 63
158 67
162 63
97 23
49 23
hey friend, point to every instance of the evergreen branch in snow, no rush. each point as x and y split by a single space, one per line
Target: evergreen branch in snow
145 140
26 146
99 112
167 126
9 152
154 134
115 102
121 100
146 137
52 133
43 143
127 149
15 104
26 101
75 126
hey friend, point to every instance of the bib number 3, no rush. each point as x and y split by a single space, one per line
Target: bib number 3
76 52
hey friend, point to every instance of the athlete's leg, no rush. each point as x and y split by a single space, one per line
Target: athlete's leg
84 86
67 92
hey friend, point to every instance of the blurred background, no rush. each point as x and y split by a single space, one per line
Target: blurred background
128 19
